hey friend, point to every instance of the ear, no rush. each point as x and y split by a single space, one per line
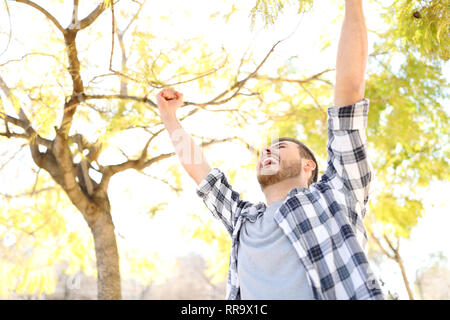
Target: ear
310 165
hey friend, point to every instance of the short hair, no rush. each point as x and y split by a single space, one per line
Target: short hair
306 153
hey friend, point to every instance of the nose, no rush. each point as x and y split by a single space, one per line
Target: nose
266 151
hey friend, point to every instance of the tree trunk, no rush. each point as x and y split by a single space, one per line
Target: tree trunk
108 272
405 279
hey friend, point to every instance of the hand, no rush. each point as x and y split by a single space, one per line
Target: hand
168 101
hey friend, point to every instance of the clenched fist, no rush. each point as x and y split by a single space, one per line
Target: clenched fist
168 101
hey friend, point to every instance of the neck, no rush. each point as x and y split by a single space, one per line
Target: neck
280 190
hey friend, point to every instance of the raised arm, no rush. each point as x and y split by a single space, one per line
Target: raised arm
352 56
213 187
189 153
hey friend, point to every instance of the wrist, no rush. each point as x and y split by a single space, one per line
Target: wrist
168 116
353 4
170 121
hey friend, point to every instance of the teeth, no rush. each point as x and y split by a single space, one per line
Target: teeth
267 160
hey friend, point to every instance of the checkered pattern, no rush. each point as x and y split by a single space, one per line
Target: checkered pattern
324 222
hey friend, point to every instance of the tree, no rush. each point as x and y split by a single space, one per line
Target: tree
45 246
51 115
421 26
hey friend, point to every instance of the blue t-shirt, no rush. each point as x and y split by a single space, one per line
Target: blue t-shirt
268 266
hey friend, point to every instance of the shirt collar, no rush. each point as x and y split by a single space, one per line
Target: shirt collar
294 191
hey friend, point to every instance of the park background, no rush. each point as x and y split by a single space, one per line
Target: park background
240 83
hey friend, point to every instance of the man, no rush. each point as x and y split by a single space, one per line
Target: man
307 241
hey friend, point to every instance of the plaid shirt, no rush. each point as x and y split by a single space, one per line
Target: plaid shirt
324 222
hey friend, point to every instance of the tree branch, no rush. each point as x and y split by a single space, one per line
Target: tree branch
132 19
119 96
9 134
195 76
377 241
77 82
139 164
22 122
174 188
75 13
26 194
390 245
83 144
113 22
12 156
30 54
87 21
45 12
316 103
29 132
236 86
298 81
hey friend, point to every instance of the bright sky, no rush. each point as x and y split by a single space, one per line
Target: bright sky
132 194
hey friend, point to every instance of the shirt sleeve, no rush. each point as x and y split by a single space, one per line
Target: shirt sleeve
220 198
347 150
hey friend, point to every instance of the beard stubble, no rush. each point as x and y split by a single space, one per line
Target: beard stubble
287 169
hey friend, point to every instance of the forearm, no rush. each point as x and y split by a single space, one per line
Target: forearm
352 56
190 154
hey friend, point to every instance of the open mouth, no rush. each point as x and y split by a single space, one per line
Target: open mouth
269 161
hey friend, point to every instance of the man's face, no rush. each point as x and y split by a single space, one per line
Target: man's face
278 162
